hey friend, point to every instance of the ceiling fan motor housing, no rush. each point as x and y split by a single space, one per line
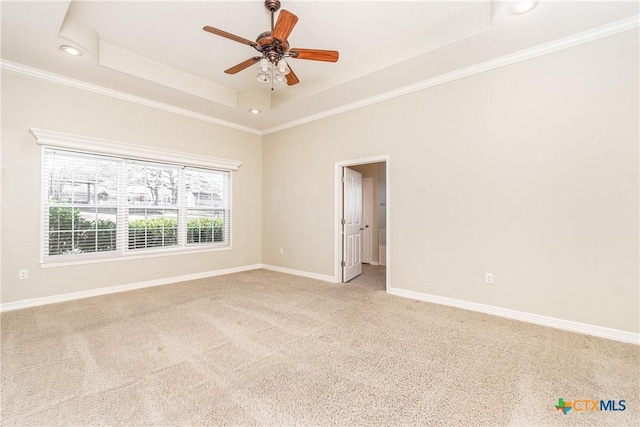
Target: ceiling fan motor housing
271 48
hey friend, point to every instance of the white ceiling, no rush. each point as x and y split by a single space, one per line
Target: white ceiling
157 50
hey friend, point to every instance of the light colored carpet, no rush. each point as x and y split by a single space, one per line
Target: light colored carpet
265 348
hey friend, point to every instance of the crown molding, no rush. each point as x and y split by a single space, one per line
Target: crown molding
543 49
546 48
78 84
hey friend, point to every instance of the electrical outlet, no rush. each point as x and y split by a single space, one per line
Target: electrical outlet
488 278
23 274
281 251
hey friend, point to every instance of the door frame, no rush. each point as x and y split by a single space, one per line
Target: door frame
337 267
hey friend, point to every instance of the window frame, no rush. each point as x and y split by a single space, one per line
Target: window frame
125 151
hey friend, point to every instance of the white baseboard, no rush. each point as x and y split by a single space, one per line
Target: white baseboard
316 276
16 305
374 263
567 325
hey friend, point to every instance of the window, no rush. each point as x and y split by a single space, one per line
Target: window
152 205
206 213
104 206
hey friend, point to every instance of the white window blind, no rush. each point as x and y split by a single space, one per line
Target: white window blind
105 206
80 204
151 205
207 208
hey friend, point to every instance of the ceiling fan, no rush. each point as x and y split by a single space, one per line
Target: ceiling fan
274 48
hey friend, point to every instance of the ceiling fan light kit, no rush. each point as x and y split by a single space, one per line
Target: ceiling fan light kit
274 49
267 72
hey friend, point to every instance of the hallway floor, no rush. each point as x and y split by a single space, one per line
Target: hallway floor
373 277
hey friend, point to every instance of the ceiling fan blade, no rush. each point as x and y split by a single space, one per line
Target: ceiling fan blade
244 64
292 79
229 36
314 54
284 26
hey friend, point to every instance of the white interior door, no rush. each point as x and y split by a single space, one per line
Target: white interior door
367 209
352 224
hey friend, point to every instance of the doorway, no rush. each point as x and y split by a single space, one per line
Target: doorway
375 248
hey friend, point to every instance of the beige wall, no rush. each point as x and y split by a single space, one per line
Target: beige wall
529 171
28 103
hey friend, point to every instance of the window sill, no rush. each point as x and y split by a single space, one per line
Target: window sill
133 256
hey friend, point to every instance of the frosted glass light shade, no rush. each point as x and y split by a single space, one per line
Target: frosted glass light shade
264 65
282 68
263 78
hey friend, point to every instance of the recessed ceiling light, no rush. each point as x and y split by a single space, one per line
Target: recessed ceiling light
254 111
522 7
70 50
